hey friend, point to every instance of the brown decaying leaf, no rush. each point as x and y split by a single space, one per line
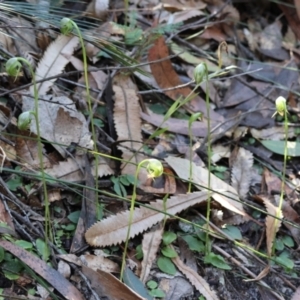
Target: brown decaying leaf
108 286
128 125
60 122
54 61
241 171
166 77
150 245
61 284
196 280
113 230
272 224
229 197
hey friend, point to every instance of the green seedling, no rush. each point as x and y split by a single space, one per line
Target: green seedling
154 291
154 169
121 182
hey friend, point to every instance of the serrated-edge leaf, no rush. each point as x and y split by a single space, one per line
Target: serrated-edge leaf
113 230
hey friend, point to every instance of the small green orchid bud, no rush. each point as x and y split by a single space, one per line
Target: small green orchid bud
13 67
24 120
154 168
199 73
280 105
66 26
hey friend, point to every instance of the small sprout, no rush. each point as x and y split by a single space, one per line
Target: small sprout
66 26
280 106
154 168
24 120
13 67
199 73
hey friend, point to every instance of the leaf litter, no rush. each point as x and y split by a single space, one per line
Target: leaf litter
244 137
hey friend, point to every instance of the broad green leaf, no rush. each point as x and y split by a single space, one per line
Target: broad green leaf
74 216
14 183
293 148
279 244
169 252
285 262
139 252
43 249
166 265
193 243
12 269
288 241
157 293
169 237
233 232
24 244
217 261
151 284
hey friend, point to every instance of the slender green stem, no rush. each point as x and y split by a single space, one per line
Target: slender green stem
48 232
89 101
209 158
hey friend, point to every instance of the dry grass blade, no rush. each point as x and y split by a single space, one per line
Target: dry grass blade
113 230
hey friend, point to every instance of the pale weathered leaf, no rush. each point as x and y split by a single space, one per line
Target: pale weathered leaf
272 224
150 245
225 194
54 61
113 230
241 171
128 125
60 122
196 280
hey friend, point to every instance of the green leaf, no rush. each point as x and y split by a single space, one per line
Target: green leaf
117 189
74 216
166 265
43 249
279 244
158 108
288 241
14 183
24 244
233 232
285 262
139 252
157 293
12 269
124 180
169 252
2 252
151 284
293 148
217 261
169 237
193 243
98 122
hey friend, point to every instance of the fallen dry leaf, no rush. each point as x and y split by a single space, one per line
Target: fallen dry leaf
61 284
241 171
54 61
196 280
150 245
226 195
113 230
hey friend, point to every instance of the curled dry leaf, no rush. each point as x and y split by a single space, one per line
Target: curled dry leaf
54 61
225 194
272 224
241 171
150 245
196 280
128 125
113 230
